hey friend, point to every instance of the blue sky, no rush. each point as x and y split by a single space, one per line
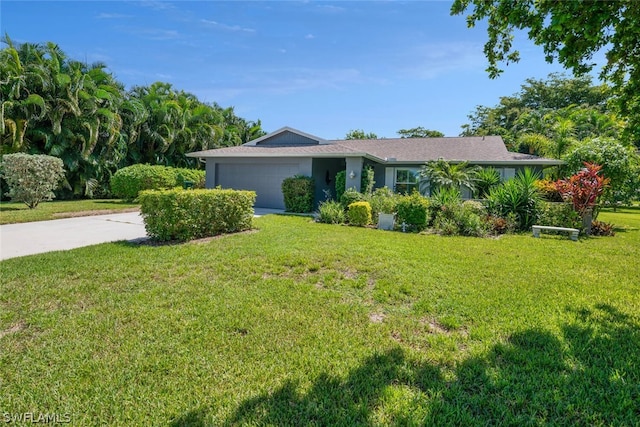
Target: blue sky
324 68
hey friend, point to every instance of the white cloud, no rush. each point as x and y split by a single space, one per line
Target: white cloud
280 81
227 27
152 33
309 36
431 60
113 16
330 8
157 5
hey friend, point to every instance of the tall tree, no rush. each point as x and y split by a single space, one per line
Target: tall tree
52 104
571 32
560 109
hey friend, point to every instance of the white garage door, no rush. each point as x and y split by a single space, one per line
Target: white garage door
264 179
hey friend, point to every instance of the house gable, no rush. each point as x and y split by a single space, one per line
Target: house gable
287 137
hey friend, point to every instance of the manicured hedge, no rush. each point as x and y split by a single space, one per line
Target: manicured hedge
179 214
298 192
127 182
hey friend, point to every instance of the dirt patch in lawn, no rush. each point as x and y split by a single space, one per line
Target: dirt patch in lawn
93 212
150 242
20 326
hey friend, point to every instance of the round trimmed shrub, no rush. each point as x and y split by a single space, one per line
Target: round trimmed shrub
359 214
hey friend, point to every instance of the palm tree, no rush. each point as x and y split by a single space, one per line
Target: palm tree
442 174
20 73
534 143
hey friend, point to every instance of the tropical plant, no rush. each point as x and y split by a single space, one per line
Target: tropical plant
441 173
584 189
485 180
548 117
442 197
570 32
548 190
51 104
518 197
619 163
331 212
460 219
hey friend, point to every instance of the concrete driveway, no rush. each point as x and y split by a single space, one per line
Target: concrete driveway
62 234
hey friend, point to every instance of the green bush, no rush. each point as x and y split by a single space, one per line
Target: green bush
196 176
298 192
351 196
341 183
179 214
599 228
127 182
559 215
443 196
461 219
485 180
519 197
331 212
413 210
32 178
367 180
359 213
497 225
382 200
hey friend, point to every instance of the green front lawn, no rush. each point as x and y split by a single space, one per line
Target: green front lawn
11 213
301 323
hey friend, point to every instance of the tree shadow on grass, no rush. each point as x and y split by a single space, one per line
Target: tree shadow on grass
588 376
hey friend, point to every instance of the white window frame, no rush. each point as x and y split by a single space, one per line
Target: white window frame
413 184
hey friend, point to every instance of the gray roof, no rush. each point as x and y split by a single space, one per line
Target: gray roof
475 150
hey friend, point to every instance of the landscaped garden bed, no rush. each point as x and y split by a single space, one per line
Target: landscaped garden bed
303 323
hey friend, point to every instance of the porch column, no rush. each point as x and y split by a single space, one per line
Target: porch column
354 172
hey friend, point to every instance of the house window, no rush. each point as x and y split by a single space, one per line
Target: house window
406 180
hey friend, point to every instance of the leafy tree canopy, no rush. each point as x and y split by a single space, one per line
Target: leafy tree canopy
51 104
419 132
571 32
360 134
548 116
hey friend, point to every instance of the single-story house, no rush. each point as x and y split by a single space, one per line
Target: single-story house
262 164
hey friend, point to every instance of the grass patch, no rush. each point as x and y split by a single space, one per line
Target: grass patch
305 323
11 213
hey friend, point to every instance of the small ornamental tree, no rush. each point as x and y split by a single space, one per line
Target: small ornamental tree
31 178
583 191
